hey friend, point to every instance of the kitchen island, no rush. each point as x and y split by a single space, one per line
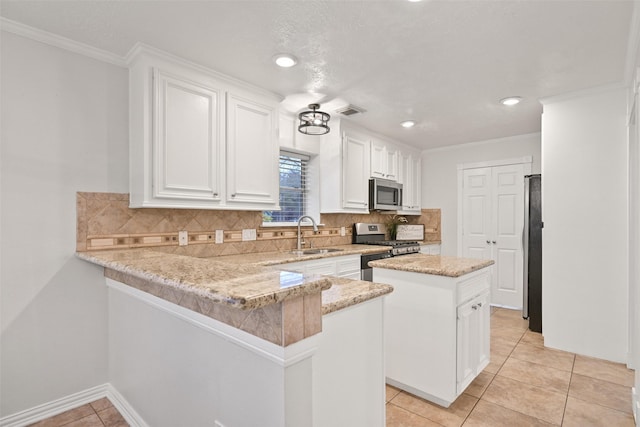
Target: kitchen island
436 323
242 341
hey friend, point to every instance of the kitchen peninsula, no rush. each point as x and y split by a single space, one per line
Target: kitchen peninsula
241 331
436 323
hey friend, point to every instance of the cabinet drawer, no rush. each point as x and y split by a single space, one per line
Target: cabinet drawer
473 284
348 264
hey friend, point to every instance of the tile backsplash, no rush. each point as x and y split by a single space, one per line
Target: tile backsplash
105 221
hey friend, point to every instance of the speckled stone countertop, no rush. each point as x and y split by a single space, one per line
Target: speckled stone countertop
243 281
346 292
432 264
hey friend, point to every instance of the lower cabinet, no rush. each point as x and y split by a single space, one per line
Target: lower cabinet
473 334
436 331
341 266
433 249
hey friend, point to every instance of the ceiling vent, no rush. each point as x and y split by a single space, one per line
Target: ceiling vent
350 110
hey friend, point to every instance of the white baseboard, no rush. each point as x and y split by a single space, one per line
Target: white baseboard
58 406
126 410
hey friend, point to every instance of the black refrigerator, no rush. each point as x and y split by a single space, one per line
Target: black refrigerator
532 242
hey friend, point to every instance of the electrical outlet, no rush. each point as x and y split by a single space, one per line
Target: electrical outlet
183 238
343 232
219 236
249 234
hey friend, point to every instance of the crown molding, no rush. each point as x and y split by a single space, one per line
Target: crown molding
61 42
583 92
509 139
141 49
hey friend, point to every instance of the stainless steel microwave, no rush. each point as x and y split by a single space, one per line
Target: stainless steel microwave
384 195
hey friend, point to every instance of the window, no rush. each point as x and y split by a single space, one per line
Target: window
293 190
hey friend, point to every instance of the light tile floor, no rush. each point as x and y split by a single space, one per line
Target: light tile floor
100 413
526 384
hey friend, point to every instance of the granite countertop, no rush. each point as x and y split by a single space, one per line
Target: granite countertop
243 281
432 264
347 292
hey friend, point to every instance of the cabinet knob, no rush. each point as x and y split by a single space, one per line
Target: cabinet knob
479 304
493 241
233 195
488 242
475 307
215 194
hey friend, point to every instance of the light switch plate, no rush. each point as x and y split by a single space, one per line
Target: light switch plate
183 238
343 232
219 236
248 234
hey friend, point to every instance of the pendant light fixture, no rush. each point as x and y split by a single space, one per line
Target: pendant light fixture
313 122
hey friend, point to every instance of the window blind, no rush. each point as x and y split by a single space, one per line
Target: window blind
293 189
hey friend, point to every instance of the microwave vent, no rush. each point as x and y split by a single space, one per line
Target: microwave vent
350 110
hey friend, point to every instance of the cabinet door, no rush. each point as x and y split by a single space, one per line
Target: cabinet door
467 337
391 163
355 173
409 175
473 339
378 160
252 154
186 144
484 332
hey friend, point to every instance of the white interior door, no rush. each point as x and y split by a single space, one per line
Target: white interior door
476 213
506 242
492 224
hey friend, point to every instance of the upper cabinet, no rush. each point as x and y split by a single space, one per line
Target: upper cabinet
344 171
186 121
252 153
384 160
410 175
199 139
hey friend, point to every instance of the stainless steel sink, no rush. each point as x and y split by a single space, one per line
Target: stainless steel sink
315 251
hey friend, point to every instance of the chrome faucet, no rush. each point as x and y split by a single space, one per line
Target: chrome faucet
315 228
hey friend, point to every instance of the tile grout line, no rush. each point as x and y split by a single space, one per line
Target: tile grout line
566 399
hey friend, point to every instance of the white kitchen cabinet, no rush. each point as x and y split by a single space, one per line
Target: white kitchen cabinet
433 249
473 337
384 160
187 121
427 312
344 171
338 266
410 175
199 139
252 153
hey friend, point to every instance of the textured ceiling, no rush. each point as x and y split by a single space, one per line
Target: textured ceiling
442 63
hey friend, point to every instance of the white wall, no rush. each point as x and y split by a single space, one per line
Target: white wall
64 129
584 202
440 175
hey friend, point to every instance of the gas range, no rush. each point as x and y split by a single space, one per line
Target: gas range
373 234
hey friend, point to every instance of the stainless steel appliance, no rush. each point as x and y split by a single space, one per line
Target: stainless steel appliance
373 234
532 242
384 195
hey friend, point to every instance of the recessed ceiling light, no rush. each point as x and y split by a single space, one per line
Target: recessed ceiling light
408 124
512 100
414 1
285 60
